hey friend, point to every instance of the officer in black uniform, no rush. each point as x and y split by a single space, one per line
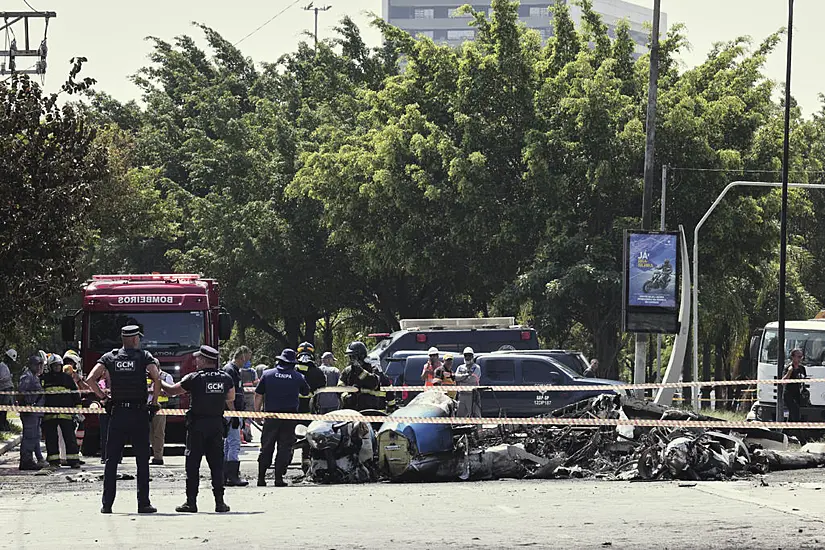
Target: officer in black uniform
126 370
211 390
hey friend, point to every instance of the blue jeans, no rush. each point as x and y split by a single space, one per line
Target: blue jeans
232 445
30 445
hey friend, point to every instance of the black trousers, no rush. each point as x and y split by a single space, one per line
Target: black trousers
65 425
204 437
281 434
127 424
792 402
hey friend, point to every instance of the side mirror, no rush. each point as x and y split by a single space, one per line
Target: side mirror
67 328
224 326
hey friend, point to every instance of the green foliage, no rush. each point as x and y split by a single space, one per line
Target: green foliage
342 188
51 172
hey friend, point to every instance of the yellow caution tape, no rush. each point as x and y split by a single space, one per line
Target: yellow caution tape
531 421
525 387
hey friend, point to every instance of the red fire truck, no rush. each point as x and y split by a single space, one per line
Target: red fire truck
177 314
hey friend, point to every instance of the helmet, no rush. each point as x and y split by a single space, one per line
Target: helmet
55 359
432 351
11 354
305 348
72 356
468 351
44 357
357 350
305 358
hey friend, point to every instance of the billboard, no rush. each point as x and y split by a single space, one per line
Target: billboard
652 270
651 279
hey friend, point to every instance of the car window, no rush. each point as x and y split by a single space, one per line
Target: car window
499 370
538 372
412 372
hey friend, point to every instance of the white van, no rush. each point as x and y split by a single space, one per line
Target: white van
809 336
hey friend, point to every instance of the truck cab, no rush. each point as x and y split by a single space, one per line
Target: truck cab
177 314
809 336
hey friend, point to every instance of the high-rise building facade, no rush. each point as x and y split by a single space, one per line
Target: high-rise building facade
437 19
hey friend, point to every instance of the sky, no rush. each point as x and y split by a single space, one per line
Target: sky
113 38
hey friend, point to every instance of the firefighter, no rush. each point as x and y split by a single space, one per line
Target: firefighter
61 391
126 370
316 379
357 375
277 391
385 400
212 390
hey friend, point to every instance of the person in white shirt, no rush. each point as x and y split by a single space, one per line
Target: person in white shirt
468 374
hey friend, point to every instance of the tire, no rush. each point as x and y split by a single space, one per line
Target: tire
646 287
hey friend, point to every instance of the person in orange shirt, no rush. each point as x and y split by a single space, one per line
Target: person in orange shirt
428 373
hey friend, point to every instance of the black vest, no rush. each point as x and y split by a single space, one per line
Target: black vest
208 389
127 371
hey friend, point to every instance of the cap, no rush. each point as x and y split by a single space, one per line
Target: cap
328 354
468 351
448 357
35 360
208 352
130 330
287 356
432 351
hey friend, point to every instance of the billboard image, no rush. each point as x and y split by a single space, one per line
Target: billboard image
652 270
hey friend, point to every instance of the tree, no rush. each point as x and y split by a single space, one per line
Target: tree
52 171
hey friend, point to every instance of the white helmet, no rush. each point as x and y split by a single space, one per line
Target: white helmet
432 351
12 354
55 359
468 351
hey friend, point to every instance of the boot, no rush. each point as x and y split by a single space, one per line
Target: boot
233 478
29 465
220 505
188 507
262 475
279 481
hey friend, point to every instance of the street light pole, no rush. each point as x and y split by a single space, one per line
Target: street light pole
783 223
649 177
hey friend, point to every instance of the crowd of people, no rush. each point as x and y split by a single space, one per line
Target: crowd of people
130 385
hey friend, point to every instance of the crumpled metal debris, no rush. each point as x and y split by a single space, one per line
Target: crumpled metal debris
341 452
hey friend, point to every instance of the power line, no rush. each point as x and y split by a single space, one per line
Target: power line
267 22
685 169
30 6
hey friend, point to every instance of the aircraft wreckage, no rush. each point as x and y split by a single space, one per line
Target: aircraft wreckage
359 452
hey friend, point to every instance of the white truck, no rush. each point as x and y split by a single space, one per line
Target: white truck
809 336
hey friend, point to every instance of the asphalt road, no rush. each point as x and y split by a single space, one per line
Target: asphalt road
781 510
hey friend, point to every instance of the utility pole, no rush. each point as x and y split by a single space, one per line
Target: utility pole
783 225
311 7
650 157
12 50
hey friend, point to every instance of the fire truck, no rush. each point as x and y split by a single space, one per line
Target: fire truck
177 314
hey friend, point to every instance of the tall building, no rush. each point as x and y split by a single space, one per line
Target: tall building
437 19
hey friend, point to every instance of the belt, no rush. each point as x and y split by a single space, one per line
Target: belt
129 405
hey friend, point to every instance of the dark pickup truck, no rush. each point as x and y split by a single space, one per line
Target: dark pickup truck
508 369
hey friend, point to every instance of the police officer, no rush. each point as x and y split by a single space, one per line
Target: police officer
357 375
211 391
278 391
58 386
126 370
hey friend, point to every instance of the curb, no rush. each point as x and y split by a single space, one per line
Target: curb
10 444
